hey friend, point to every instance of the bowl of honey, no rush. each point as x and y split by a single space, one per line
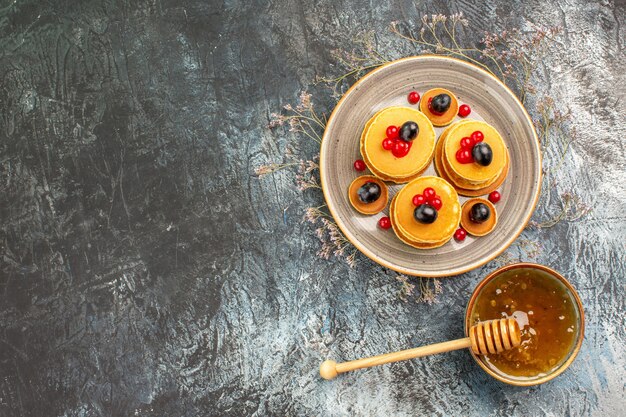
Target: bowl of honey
549 313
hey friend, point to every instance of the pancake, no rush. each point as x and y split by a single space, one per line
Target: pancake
464 191
478 229
458 182
445 118
397 180
382 161
368 208
402 237
474 173
448 216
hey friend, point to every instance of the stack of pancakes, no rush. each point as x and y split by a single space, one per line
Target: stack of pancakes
382 162
422 235
471 179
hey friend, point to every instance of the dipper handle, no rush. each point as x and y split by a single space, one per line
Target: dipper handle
492 336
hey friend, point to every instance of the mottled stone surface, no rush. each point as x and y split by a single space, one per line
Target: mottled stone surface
146 271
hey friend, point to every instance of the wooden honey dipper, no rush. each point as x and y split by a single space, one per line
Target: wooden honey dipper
493 336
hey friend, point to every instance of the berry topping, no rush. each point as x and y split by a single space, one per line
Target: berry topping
429 197
409 131
392 132
460 234
369 192
464 156
477 136
359 165
400 148
429 193
467 143
464 110
482 153
387 144
479 213
384 223
413 97
439 104
418 200
425 213
494 197
436 203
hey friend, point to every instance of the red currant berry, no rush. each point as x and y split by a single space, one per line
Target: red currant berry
436 202
387 144
477 136
430 100
494 197
400 148
418 200
393 132
429 193
413 97
467 143
464 156
460 234
464 110
359 165
384 223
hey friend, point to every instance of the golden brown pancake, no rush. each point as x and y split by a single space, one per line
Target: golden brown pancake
436 119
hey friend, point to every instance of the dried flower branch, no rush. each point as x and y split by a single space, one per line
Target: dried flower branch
429 289
271 168
355 63
333 241
302 118
572 209
509 55
551 129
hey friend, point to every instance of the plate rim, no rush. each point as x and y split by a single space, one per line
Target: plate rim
416 272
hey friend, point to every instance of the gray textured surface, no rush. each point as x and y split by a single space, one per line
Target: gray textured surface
146 271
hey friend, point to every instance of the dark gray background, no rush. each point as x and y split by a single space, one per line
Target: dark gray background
145 269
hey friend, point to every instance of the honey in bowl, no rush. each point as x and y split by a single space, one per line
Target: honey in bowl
548 316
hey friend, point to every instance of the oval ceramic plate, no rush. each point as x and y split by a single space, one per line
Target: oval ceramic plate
491 101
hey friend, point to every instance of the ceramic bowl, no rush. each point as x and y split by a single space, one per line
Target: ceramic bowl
547 273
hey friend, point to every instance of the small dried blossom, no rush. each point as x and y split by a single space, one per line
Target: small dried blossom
306 183
276 120
306 178
313 214
351 259
311 166
429 294
429 289
305 102
458 18
438 18
333 241
325 251
406 289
